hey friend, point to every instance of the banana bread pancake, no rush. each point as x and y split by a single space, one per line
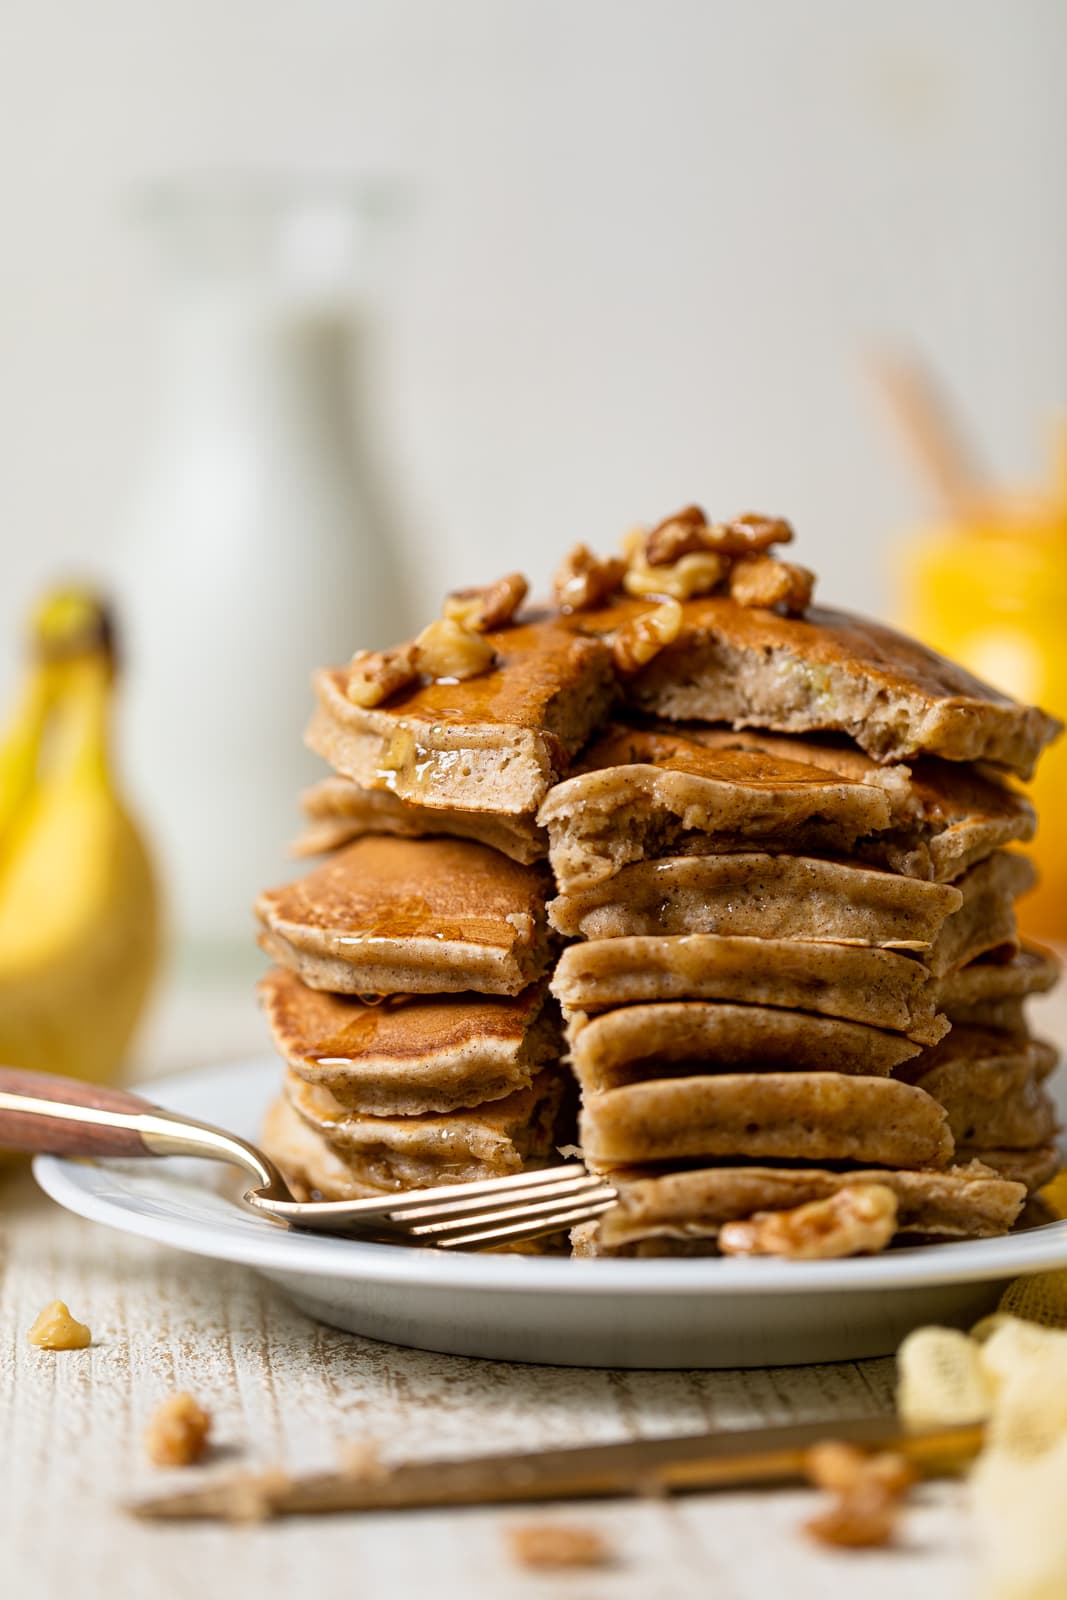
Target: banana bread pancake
641 794
798 1116
339 811
879 987
684 1037
991 1086
462 1146
752 893
946 815
960 1202
410 916
989 992
489 743
1032 1168
428 1053
828 670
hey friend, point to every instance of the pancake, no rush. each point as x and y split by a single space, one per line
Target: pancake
990 1086
753 894
879 987
989 992
495 742
683 1038
968 1201
642 794
985 921
339 811
796 1116
946 815
828 671
426 1054
388 1153
400 916
1032 1168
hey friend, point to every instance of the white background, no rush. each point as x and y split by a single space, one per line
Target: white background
650 244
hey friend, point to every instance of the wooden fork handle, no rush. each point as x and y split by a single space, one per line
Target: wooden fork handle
61 1116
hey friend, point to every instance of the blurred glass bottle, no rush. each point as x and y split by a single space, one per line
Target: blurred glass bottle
990 590
255 547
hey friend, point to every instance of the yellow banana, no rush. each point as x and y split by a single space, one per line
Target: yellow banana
79 932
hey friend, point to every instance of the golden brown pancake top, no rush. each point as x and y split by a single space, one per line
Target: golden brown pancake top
384 888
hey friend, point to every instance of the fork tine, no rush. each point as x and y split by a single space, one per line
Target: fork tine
504 1217
414 1199
508 1199
525 1230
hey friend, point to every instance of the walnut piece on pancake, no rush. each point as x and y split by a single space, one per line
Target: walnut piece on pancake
678 535
376 675
178 1432
858 1220
447 651
869 1491
642 637
750 532
555 1546
762 580
584 581
491 606
698 572
55 1329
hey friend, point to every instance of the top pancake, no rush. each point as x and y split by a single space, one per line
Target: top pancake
828 670
642 793
495 742
403 916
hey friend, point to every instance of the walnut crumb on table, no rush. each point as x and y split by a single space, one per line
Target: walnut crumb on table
553 1546
55 1329
869 1490
178 1432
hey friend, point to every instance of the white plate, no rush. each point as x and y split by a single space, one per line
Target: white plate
611 1313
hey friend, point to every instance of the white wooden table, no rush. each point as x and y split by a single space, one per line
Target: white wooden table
284 1390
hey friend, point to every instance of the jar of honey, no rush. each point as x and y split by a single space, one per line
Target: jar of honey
991 592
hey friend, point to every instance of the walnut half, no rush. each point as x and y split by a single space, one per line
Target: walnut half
375 675
584 580
859 1218
446 649
491 606
636 641
762 580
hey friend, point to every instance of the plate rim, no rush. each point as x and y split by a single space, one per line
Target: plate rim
279 1250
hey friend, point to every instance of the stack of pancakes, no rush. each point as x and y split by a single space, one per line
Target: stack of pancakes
409 1000
787 960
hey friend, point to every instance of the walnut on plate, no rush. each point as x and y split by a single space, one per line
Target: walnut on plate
860 1218
585 580
491 606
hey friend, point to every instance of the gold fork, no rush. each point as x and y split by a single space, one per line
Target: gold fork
59 1116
